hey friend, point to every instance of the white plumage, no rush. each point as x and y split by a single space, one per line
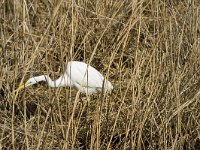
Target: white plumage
77 74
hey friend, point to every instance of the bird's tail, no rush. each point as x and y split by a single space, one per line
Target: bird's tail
108 86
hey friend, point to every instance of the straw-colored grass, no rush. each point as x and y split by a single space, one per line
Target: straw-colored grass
148 49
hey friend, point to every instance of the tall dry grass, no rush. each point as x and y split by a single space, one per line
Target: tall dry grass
148 49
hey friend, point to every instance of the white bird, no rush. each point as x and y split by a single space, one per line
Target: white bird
77 74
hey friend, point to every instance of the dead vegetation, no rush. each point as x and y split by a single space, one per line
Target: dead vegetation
148 49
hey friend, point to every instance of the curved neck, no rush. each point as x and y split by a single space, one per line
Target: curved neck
63 80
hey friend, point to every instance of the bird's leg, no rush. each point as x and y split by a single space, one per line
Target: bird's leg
82 103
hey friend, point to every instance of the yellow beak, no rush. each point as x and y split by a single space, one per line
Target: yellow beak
22 86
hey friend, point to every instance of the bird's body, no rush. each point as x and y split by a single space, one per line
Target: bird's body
77 74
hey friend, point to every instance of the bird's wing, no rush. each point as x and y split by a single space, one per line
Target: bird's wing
84 75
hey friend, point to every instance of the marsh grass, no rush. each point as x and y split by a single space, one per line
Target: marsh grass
149 50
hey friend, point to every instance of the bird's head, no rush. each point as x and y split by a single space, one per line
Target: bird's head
30 82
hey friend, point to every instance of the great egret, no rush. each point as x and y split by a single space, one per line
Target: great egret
77 74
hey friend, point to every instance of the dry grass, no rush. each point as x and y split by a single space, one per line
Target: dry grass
148 49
